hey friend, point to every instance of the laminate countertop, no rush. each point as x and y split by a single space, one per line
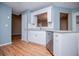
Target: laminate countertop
50 30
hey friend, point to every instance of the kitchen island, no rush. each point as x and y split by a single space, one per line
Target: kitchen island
63 43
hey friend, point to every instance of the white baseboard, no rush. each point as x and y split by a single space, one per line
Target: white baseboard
5 44
25 40
38 43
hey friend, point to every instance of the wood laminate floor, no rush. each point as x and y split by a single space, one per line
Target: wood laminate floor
22 48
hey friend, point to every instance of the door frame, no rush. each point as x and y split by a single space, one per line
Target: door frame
74 21
66 20
69 19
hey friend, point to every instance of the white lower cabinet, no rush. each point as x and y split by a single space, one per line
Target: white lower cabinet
65 44
78 42
38 37
61 44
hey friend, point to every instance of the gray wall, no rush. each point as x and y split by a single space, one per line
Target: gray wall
5 24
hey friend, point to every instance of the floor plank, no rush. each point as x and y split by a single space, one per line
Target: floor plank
22 48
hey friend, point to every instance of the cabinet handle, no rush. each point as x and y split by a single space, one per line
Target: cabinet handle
35 35
56 35
48 33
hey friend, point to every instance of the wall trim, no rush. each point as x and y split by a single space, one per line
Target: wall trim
38 44
6 44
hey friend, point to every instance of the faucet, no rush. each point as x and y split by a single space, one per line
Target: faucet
40 26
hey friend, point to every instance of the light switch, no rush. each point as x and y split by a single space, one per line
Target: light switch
8 17
6 25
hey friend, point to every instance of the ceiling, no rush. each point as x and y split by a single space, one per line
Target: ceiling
19 7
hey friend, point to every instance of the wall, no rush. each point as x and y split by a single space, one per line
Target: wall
56 17
5 24
16 24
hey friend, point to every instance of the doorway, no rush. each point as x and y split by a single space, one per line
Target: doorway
77 23
16 27
63 21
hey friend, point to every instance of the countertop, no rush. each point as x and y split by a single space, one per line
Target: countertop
62 31
40 29
49 30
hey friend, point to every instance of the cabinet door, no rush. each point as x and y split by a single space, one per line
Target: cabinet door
65 44
38 37
33 20
68 44
78 42
56 44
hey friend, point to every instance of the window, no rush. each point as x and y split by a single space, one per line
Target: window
42 20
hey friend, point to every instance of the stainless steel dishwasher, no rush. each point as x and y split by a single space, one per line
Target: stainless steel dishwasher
49 41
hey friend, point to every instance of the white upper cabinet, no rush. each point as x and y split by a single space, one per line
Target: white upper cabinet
49 14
